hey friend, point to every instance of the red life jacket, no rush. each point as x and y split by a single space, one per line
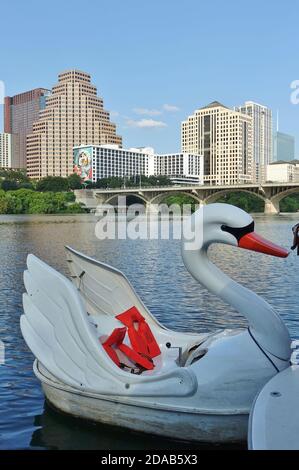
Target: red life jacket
140 334
115 341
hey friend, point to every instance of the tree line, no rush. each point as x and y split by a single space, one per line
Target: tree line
54 194
130 182
12 180
27 201
51 195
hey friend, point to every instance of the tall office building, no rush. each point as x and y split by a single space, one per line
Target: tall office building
20 112
74 115
283 147
224 137
261 135
5 150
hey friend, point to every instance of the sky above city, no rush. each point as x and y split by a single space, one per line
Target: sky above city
154 62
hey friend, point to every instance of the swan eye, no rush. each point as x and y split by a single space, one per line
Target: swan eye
238 232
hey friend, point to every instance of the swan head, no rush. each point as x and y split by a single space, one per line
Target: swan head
224 223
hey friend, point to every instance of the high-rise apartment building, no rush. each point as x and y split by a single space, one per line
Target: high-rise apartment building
283 147
5 150
180 167
261 135
20 112
224 138
93 162
74 115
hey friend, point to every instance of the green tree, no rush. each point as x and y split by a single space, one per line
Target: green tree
8 185
75 208
52 183
3 202
14 204
113 182
27 201
26 185
180 199
247 202
290 203
74 181
133 181
17 175
69 196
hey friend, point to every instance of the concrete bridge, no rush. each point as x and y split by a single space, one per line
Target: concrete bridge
270 193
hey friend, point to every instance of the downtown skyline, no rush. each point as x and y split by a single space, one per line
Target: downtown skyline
148 119
156 75
50 123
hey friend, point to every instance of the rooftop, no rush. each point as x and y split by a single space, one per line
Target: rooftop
285 162
74 74
214 104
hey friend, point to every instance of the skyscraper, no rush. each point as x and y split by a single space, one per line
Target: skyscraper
283 147
5 150
20 112
74 115
224 137
261 135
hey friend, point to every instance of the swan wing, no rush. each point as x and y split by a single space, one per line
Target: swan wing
56 328
105 289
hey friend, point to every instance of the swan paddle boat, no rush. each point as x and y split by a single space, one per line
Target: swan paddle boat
102 356
274 416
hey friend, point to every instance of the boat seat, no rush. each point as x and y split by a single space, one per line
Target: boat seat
139 332
114 343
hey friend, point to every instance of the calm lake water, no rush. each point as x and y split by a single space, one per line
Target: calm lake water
156 270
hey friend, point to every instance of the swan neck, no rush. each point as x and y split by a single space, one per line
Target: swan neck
265 324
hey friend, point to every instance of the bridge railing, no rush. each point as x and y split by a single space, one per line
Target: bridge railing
195 186
177 186
140 188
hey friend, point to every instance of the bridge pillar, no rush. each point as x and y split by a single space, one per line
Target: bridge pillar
152 208
86 197
271 207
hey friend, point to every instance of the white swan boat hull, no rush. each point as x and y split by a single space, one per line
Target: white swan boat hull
191 386
181 424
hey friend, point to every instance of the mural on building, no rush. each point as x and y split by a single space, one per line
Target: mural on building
83 163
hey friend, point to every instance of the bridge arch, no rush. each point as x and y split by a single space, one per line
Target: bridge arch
223 192
158 198
137 196
282 194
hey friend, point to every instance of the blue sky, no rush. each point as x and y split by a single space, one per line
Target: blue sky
154 62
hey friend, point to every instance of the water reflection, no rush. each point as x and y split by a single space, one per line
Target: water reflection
156 270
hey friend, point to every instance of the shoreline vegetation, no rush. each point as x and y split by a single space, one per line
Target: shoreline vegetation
54 194
28 201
